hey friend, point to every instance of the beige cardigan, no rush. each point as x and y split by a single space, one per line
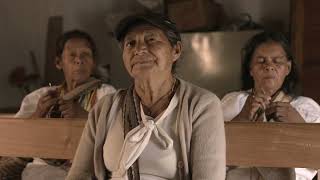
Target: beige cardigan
201 135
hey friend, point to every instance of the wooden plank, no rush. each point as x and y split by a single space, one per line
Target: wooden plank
6 115
273 144
248 144
46 138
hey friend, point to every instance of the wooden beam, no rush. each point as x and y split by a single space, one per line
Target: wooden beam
55 29
297 30
248 144
45 138
273 144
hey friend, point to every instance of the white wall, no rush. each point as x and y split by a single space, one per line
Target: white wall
24 27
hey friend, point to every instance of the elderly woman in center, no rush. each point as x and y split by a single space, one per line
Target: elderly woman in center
162 127
269 82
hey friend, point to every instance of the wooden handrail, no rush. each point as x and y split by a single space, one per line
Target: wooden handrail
45 138
273 144
248 144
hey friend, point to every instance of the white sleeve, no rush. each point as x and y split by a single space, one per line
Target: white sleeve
307 108
30 102
305 173
232 104
104 90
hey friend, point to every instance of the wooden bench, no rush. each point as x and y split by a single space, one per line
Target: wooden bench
248 144
45 138
273 145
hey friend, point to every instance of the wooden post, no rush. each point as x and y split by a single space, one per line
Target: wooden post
55 28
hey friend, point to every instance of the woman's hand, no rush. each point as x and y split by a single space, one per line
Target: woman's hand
283 112
45 103
254 103
72 109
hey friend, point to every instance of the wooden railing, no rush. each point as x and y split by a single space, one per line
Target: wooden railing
248 144
46 138
273 144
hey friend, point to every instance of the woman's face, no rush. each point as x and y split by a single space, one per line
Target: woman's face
269 67
76 61
147 52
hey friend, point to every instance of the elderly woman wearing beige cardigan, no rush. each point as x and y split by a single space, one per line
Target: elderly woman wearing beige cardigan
162 127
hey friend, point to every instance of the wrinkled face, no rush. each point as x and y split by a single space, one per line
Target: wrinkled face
76 61
269 66
147 52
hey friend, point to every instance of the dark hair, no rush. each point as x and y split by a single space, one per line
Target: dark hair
156 20
74 34
290 83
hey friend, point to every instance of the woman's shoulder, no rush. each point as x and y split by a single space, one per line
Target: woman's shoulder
109 98
235 96
232 103
105 86
194 91
104 104
308 108
107 106
304 102
105 89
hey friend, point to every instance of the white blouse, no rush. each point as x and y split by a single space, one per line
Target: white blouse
233 103
154 142
30 101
